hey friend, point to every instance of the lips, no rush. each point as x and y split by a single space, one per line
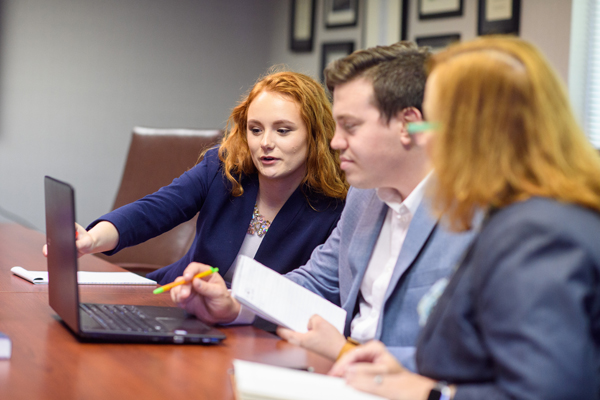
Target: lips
344 162
267 160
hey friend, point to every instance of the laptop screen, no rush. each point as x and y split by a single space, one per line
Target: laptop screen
62 253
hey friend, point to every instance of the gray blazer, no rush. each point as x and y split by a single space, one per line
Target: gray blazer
520 319
336 269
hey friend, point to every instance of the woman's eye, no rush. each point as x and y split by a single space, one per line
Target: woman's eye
283 131
255 131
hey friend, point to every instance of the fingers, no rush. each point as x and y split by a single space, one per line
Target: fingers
366 369
315 321
211 288
364 353
289 335
45 250
379 384
373 353
193 269
79 229
179 294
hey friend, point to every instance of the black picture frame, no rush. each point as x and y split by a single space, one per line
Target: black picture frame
438 42
404 20
340 13
443 9
333 51
505 19
302 25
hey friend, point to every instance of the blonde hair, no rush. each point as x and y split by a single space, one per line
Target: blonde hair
323 172
507 131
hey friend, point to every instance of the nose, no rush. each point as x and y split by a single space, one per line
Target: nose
338 142
266 142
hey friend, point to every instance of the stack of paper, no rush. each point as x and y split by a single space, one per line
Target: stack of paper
255 381
278 299
5 347
87 277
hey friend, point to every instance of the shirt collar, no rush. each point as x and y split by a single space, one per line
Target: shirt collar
393 198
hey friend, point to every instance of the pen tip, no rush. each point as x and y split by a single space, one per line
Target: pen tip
158 290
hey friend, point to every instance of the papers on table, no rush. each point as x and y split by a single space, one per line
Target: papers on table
255 381
87 277
5 347
278 299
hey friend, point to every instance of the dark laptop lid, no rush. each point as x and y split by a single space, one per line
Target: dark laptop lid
62 253
173 324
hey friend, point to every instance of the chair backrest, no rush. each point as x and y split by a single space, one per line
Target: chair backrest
156 157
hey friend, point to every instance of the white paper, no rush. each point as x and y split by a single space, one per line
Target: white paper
5 347
278 299
498 10
260 381
439 6
87 277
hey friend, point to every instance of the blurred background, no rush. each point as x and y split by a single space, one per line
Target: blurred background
77 75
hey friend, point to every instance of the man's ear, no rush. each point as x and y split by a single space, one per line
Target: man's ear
404 116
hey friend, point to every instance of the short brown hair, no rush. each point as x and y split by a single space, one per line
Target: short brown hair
397 73
507 132
323 172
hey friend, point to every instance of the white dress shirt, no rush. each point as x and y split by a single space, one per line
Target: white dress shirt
383 260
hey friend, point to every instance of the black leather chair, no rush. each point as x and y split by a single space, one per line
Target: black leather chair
156 157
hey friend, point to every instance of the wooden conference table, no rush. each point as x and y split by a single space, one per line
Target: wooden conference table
49 363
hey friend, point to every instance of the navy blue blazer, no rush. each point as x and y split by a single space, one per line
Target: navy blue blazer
520 319
223 220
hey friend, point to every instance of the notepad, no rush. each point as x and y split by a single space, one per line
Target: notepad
278 299
87 277
255 381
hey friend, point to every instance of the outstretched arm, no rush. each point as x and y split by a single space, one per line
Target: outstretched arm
102 237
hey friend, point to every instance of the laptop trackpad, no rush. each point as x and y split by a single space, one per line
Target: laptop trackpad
190 324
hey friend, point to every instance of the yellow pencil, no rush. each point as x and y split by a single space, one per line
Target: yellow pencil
171 285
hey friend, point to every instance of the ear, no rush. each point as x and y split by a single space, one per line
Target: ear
404 116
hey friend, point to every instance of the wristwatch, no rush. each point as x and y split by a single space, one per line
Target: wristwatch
441 391
349 345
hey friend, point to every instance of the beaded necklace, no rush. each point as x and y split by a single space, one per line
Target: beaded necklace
258 224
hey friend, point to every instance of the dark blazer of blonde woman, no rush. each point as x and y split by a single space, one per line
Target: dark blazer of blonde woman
520 319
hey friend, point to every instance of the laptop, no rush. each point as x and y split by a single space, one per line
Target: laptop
104 322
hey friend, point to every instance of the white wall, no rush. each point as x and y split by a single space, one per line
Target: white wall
77 75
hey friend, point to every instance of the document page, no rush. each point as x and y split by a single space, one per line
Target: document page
260 381
278 299
87 277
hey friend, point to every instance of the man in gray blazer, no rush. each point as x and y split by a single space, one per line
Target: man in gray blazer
387 249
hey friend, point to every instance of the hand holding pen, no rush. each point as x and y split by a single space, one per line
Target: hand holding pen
208 299
171 285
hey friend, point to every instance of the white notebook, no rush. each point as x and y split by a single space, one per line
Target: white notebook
255 381
87 277
278 299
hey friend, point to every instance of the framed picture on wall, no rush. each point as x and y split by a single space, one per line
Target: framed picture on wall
438 42
340 13
302 25
385 22
429 9
333 51
498 16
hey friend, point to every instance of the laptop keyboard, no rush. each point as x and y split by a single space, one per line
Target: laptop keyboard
122 318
